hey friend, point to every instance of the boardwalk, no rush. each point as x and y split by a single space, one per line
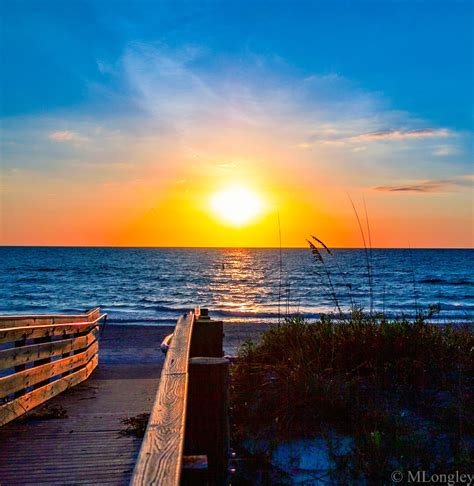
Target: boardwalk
86 446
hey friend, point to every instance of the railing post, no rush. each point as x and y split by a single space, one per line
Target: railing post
207 337
39 362
18 368
207 427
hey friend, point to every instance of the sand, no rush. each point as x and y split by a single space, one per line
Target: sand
137 344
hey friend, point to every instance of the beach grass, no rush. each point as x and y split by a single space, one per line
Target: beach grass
400 390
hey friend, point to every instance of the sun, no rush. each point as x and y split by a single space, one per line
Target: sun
236 205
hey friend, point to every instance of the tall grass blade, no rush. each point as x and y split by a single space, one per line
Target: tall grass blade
371 268
367 261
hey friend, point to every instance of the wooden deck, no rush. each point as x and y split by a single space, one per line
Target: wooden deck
86 447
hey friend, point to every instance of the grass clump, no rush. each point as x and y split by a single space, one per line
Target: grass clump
402 391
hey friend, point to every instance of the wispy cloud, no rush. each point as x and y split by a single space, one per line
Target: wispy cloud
161 106
430 186
345 138
64 136
321 116
445 150
403 134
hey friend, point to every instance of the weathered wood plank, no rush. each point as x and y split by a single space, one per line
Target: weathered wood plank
161 453
19 368
11 334
38 320
33 352
178 351
160 459
19 381
19 406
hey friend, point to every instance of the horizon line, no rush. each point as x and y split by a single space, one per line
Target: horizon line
240 247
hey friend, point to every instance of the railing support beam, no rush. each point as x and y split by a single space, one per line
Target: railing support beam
207 427
207 338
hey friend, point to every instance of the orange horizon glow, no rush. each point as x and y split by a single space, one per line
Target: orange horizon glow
181 215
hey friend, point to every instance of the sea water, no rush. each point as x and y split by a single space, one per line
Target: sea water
155 285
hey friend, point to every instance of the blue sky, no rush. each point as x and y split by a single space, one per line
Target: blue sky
418 53
371 98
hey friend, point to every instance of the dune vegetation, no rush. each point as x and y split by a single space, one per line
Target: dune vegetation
402 391
397 392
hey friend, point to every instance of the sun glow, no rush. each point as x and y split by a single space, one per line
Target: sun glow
236 205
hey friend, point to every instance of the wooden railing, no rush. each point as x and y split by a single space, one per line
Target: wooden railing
187 434
41 356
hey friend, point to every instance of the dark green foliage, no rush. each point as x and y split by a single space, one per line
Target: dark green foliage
402 390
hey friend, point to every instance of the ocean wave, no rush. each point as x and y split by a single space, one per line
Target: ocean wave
454 296
437 281
236 313
30 279
457 307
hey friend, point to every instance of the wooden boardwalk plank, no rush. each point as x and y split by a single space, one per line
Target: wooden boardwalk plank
87 446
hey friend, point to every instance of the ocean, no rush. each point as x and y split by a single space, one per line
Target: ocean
155 285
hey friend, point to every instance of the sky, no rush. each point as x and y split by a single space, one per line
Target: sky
164 123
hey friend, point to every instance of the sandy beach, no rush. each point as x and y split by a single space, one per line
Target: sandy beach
135 345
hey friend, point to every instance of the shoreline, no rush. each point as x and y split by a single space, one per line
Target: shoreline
140 344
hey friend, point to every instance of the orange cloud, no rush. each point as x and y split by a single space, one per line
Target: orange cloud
429 186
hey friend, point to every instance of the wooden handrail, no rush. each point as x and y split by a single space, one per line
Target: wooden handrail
47 316
161 453
182 410
46 319
10 334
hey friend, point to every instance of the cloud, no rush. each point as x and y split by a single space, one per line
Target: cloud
341 138
177 87
445 150
403 134
159 105
64 136
430 186
184 97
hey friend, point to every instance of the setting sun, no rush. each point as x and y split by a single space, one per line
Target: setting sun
236 205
